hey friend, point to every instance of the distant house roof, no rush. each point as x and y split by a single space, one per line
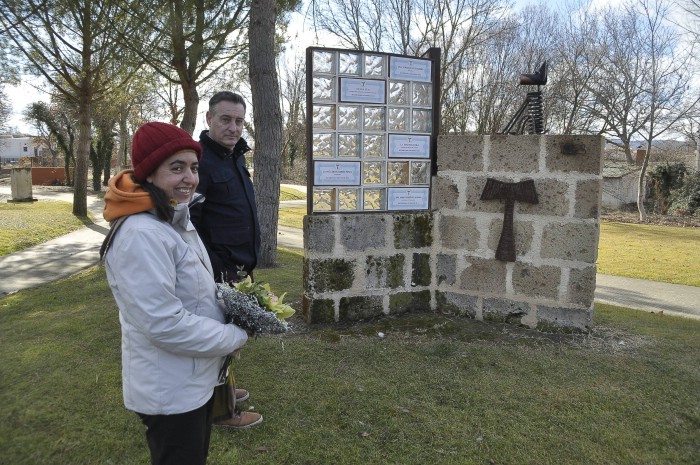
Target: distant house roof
667 144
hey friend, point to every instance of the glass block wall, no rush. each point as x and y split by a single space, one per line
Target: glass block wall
371 118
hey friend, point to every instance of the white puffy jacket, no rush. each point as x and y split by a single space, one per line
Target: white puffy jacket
174 339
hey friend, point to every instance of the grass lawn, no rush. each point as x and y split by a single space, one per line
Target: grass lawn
24 224
659 253
434 389
287 193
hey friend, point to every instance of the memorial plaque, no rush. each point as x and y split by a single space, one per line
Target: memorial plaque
409 146
411 69
408 198
370 120
362 90
331 173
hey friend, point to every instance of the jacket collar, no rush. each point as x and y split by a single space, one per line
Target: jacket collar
181 217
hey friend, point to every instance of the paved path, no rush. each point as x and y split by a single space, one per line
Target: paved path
66 255
652 296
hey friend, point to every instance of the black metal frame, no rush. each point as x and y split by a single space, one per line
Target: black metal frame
433 54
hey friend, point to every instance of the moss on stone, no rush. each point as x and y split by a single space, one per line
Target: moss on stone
403 302
413 230
395 271
330 275
360 308
384 272
421 275
318 311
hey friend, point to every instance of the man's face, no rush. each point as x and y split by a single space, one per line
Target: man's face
225 122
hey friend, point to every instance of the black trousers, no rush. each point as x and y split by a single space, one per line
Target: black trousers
180 439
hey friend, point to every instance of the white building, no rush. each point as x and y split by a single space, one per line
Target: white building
620 182
13 148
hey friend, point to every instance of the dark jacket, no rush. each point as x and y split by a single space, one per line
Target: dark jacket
227 219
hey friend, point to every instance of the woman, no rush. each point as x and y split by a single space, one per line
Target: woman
174 340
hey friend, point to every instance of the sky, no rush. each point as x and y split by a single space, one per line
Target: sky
300 30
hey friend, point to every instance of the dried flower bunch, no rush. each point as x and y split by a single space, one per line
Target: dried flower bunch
254 307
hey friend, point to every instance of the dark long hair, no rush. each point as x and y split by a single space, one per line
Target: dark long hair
165 211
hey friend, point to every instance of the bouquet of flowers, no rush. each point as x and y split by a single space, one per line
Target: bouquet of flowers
254 307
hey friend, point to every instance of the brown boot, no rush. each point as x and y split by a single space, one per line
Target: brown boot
241 420
241 395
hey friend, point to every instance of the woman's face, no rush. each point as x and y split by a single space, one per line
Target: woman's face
177 176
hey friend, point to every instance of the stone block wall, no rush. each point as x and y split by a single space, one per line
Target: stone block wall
360 266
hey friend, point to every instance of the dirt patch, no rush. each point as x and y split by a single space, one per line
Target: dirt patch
430 326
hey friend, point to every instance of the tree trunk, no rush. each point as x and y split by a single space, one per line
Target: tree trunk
191 97
124 141
107 164
83 154
267 118
641 186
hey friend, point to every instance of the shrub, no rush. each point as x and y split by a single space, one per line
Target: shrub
685 200
664 179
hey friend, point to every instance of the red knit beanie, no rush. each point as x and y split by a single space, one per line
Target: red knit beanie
154 142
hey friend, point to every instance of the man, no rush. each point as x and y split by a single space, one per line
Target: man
226 218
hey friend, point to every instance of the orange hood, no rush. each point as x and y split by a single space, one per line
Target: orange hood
124 197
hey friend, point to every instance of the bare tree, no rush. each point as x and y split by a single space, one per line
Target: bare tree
515 47
667 87
617 88
691 22
356 23
293 89
575 58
